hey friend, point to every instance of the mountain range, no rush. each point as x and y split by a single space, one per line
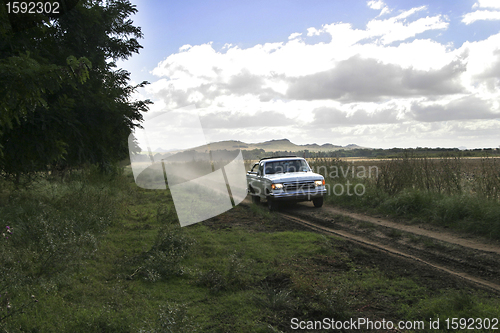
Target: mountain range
268 146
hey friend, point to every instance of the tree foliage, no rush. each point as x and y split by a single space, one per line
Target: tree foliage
63 101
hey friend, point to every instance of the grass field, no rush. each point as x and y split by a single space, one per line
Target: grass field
99 254
459 193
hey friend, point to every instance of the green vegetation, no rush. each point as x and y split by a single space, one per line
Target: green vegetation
98 254
459 193
63 102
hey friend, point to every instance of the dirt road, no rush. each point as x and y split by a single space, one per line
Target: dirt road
473 259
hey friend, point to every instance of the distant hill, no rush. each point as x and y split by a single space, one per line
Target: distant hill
161 150
270 146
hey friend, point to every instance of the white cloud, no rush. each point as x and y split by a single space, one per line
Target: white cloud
487 4
376 4
343 35
358 79
330 117
481 15
455 110
398 29
483 67
419 54
379 5
313 32
185 47
228 119
381 81
385 31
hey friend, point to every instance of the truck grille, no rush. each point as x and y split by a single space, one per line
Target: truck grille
298 186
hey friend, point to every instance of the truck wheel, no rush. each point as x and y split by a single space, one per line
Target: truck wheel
318 202
255 199
271 205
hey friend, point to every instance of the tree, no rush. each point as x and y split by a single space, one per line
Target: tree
63 101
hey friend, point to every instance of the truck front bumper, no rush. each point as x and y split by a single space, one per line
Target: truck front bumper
299 195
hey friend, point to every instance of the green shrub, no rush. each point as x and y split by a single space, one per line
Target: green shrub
408 203
231 276
170 248
172 318
275 299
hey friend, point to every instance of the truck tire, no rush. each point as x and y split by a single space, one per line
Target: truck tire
255 199
318 202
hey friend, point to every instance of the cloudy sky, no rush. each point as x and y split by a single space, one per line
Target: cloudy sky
378 74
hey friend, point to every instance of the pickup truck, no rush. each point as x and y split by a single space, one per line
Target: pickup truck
287 178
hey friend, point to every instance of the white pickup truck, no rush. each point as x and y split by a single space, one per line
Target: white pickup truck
287 178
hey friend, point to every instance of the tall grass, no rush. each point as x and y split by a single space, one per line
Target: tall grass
455 192
49 227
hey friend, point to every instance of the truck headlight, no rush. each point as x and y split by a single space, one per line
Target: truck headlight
277 186
319 182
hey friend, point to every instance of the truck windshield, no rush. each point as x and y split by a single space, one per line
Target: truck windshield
286 166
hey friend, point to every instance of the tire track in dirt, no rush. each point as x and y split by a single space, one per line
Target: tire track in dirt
473 260
485 245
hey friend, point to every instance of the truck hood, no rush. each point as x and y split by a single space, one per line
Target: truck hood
293 177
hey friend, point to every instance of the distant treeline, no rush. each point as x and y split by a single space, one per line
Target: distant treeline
257 154
377 153
393 152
